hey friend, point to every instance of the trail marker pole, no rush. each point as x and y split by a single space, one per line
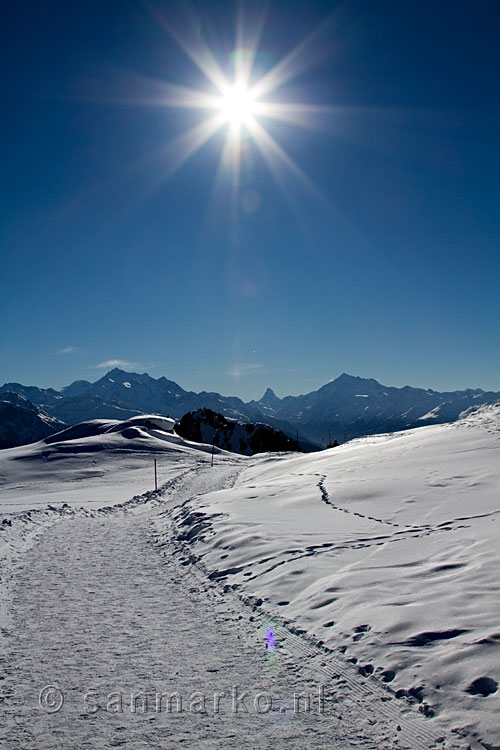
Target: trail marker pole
156 477
213 450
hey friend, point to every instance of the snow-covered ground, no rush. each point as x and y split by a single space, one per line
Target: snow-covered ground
387 550
374 567
96 464
110 640
93 465
111 644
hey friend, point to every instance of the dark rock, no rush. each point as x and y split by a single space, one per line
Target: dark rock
210 427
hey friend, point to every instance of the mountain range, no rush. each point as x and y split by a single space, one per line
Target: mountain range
22 422
346 407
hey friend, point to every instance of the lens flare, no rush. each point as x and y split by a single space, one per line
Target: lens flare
270 640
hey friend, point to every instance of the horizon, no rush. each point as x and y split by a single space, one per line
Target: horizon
252 398
251 198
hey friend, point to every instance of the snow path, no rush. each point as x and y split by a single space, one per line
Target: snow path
107 612
97 611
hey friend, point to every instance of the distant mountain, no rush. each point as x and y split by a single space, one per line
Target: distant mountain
207 426
358 406
269 399
43 397
76 409
362 406
78 388
163 396
21 422
121 395
73 404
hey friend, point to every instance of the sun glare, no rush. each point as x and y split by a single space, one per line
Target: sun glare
237 105
241 108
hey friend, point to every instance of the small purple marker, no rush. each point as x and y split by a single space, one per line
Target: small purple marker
270 640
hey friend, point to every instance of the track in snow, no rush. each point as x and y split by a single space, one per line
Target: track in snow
97 611
100 615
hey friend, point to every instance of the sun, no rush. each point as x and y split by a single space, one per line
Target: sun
237 105
240 99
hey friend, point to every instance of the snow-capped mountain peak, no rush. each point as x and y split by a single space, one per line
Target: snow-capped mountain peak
269 398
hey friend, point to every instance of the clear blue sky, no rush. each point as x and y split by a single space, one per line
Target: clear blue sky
383 263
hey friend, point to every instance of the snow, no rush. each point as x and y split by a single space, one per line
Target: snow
432 414
97 612
164 424
127 385
375 564
95 464
386 549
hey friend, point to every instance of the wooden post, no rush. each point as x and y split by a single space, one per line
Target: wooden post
156 477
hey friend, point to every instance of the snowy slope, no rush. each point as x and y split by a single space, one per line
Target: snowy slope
96 463
385 549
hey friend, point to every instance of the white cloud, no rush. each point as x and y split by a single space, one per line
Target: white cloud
110 363
69 350
243 368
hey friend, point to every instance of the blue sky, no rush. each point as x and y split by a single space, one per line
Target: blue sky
376 253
